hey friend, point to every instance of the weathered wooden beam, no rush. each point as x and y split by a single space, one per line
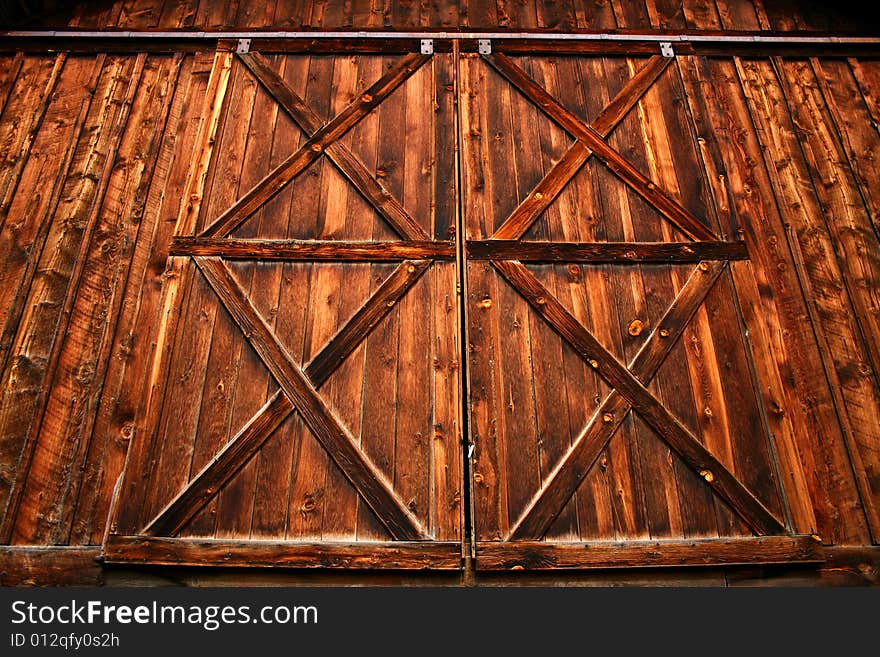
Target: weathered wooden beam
312 250
50 565
606 252
398 555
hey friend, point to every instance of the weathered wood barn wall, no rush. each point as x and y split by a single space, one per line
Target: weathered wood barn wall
463 381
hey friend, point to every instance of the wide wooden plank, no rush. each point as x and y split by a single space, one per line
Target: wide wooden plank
50 566
814 251
315 146
649 554
667 426
349 164
618 164
287 554
34 97
570 471
606 252
368 479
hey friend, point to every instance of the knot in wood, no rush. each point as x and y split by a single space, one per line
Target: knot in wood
636 327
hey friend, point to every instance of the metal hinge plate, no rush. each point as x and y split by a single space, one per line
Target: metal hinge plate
666 49
427 46
484 46
244 46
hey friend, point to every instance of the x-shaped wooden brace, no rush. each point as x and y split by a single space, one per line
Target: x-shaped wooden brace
299 387
629 383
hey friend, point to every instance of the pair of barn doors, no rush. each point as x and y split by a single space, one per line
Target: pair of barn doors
422 307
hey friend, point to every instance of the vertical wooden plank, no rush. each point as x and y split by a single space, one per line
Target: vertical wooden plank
381 349
34 353
488 483
177 278
129 361
64 434
178 13
10 67
249 379
196 410
412 458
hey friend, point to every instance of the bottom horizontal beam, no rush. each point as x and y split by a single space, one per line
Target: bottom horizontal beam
397 555
537 555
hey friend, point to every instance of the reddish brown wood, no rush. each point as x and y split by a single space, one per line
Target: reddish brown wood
311 250
555 180
667 426
642 554
315 146
253 554
349 164
568 474
606 252
50 566
640 183
364 475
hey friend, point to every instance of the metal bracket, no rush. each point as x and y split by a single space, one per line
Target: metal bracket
666 49
244 46
484 46
427 46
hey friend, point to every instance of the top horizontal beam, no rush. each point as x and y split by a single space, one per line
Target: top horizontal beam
719 43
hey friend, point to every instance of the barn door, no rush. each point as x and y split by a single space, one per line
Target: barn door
303 408
613 409
305 400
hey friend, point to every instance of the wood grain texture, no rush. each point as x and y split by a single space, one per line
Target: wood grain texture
561 173
55 284
314 147
369 481
311 250
85 353
398 555
640 554
176 278
606 252
667 426
562 482
618 164
349 164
